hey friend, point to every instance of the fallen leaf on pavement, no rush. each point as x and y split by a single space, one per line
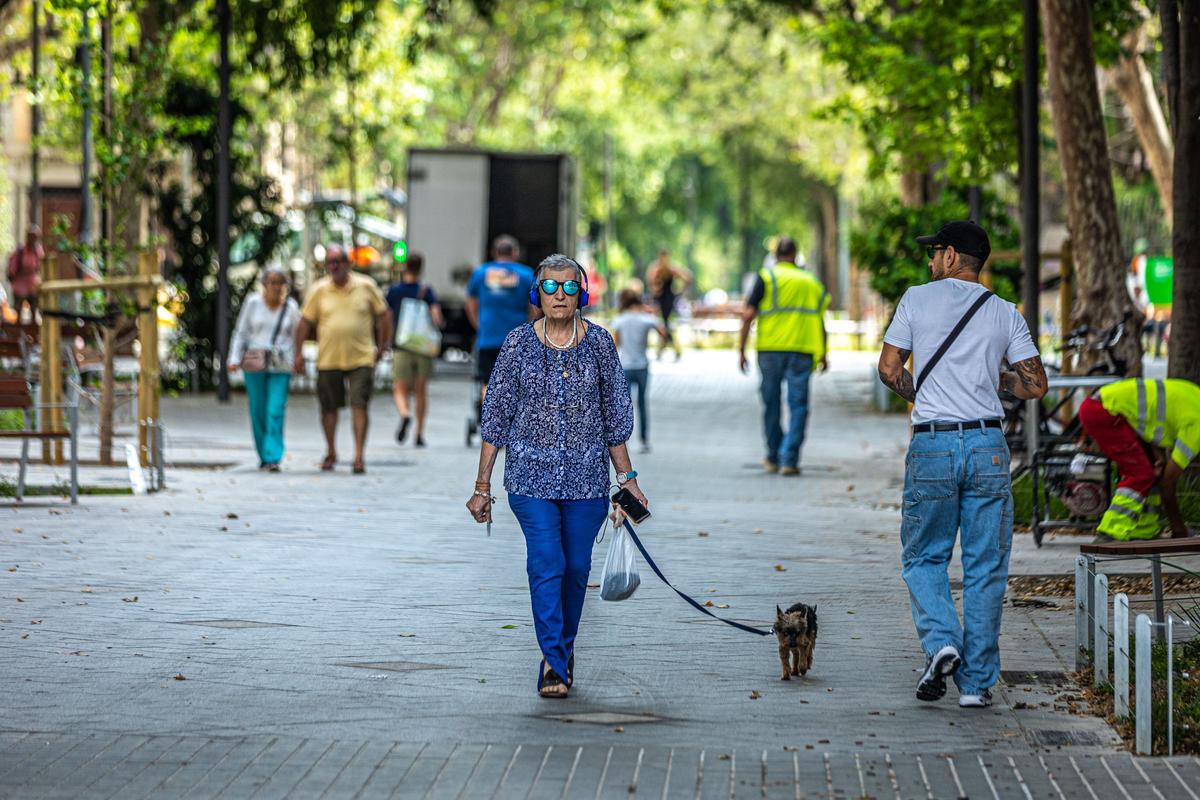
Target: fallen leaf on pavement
758 530
35 622
19 600
780 568
86 590
231 515
849 612
179 677
708 603
722 605
406 635
129 599
25 636
790 748
850 488
507 627
723 757
702 533
754 694
618 730
593 586
13 569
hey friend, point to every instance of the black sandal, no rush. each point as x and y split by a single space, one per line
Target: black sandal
548 679
571 671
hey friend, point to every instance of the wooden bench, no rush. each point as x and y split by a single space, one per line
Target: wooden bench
1151 549
16 392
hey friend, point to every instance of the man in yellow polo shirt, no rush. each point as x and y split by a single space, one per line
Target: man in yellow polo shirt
790 306
1151 430
354 328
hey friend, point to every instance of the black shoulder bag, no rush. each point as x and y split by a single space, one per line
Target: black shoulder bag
949 340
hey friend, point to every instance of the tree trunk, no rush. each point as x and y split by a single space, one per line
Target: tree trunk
912 188
828 242
1102 300
1131 79
1185 311
108 344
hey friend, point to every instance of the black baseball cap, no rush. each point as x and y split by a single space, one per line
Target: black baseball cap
963 236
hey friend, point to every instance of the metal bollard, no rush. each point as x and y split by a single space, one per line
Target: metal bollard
1082 593
1170 685
1100 655
1142 739
1121 655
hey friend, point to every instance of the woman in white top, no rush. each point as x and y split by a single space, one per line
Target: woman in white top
262 348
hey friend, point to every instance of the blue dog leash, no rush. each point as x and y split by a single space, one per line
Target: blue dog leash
690 600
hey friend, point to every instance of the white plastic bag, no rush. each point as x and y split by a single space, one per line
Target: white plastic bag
621 578
415 331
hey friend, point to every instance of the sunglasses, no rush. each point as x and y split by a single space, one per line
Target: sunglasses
933 248
550 286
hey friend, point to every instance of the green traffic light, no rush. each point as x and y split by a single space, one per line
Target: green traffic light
400 251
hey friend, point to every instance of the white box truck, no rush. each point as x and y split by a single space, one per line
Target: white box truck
460 200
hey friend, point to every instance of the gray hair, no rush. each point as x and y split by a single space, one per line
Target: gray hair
558 261
274 269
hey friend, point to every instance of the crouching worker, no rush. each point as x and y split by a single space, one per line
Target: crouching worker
1151 431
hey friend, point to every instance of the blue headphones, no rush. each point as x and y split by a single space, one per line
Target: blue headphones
535 297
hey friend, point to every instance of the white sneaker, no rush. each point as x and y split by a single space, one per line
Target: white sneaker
940 666
981 700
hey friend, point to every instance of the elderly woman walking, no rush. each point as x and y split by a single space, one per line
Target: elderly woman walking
558 401
262 349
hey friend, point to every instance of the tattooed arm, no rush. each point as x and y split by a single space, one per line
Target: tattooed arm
893 373
1026 380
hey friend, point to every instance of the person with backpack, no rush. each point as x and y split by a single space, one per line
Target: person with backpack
956 476
418 319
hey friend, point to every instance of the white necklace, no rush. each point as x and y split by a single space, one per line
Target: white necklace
551 342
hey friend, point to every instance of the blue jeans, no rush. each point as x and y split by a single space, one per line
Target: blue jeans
267 396
776 368
641 379
558 544
958 480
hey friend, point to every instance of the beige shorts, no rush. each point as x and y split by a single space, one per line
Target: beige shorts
408 366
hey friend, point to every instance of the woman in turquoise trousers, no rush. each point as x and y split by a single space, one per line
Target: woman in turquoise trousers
262 348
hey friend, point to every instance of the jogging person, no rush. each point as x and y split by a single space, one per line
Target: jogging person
956 475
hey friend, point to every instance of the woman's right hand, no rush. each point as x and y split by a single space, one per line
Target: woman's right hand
480 508
233 368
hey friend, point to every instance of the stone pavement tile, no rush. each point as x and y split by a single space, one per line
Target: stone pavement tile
201 768
245 776
126 771
358 770
52 772
77 782
489 770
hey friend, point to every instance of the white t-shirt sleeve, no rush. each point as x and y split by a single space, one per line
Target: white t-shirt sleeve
1020 343
899 333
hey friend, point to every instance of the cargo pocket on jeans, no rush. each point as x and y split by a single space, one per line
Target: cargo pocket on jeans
1006 524
910 526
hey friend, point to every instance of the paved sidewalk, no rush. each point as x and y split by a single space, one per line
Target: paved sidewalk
307 624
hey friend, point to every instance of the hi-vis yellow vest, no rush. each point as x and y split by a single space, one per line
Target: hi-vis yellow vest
791 316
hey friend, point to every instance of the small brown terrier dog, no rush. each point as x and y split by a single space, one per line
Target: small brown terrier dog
796 631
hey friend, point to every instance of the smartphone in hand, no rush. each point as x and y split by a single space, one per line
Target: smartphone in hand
633 508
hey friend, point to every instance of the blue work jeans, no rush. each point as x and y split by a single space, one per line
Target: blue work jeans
794 369
641 379
558 544
267 396
958 481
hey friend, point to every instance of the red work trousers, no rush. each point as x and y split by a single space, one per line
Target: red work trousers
1121 444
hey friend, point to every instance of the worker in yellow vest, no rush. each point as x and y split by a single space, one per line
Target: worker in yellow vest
789 304
1151 430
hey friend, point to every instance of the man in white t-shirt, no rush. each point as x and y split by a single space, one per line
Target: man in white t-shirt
956 473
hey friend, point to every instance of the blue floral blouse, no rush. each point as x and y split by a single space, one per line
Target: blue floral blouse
556 413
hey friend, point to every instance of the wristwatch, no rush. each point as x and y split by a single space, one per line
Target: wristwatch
625 477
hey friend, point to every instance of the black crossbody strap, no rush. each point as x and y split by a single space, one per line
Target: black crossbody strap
279 322
949 340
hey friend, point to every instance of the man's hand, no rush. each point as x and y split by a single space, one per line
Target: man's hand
233 368
378 354
298 364
743 364
824 365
